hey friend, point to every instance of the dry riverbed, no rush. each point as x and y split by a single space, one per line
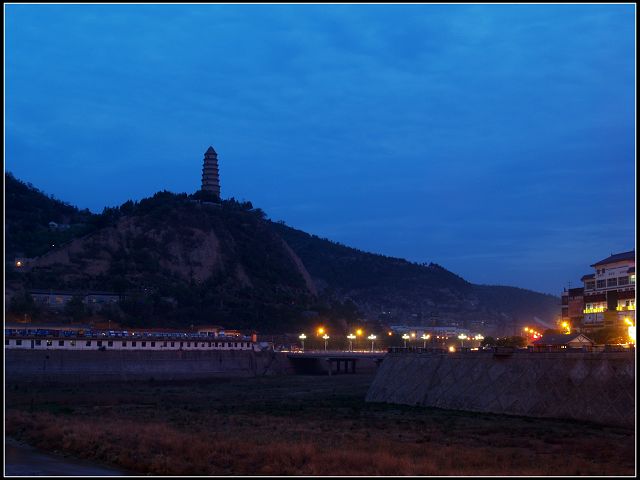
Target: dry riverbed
298 425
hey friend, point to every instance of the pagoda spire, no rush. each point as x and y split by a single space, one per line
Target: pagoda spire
210 175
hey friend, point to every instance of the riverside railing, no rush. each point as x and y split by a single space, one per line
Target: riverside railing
513 350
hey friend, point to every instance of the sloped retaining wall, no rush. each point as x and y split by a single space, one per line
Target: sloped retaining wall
595 387
88 366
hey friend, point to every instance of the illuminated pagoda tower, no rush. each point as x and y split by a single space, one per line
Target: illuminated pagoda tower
210 175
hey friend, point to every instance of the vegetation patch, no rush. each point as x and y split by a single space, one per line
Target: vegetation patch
299 425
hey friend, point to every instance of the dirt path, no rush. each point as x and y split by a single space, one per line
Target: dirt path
23 460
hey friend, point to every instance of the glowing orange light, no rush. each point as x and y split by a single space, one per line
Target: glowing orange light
320 331
359 332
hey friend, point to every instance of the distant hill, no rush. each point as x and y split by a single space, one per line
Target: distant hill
395 290
183 262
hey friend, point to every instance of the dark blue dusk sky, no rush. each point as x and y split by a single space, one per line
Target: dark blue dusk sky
497 141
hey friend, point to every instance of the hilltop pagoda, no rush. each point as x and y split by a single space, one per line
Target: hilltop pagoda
210 175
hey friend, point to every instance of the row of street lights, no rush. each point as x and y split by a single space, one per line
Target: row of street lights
405 337
351 338
424 337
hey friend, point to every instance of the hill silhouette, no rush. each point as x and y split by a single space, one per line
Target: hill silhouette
186 259
395 290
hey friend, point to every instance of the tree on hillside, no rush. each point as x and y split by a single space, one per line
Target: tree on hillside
23 304
206 196
76 308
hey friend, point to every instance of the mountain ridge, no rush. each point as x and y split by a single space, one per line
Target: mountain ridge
227 263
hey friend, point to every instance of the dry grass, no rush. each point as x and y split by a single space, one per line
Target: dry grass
299 425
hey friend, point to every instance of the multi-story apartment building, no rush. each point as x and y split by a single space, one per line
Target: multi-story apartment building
573 306
610 292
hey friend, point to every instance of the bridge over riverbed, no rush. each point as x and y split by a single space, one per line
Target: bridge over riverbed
335 362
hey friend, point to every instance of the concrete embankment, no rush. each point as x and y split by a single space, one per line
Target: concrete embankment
87 366
594 387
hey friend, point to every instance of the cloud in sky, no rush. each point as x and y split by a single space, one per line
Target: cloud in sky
460 134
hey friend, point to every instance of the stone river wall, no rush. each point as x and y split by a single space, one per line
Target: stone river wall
594 387
89 366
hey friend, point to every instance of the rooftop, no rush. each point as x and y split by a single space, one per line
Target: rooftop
53 291
560 339
618 257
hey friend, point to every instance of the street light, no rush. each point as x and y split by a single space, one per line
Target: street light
351 338
326 337
302 337
425 337
405 337
631 330
462 338
372 337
